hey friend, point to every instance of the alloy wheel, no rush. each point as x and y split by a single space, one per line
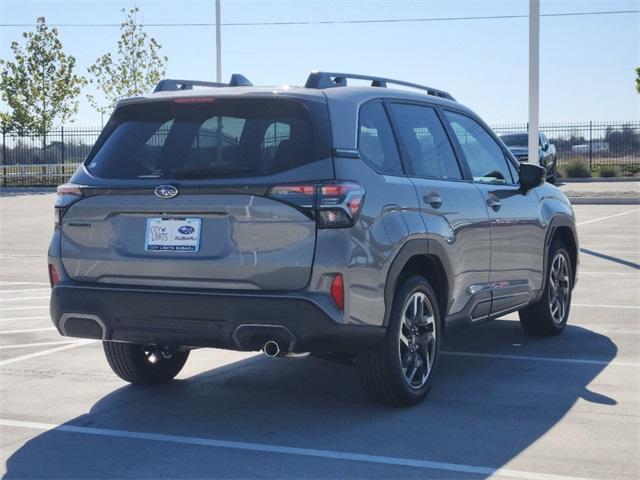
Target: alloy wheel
559 288
417 339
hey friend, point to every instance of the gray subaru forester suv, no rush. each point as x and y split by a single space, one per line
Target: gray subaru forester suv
353 223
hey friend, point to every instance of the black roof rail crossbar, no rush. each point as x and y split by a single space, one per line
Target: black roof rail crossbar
169 84
334 79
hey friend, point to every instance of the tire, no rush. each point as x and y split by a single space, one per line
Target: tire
385 371
141 365
548 316
553 178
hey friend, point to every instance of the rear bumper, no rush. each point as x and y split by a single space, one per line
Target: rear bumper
195 318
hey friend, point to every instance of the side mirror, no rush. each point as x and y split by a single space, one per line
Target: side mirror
531 175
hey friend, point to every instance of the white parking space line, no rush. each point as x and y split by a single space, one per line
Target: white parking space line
16 299
586 222
41 353
281 449
27 330
4 283
609 225
27 290
606 235
39 344
588 272
6 309
589 305
532 358
17 319
632 250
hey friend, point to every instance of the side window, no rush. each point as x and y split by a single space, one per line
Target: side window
426 143
376 142
483 154
514 171
543 141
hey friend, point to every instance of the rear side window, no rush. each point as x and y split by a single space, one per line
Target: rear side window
484 156
429 152
207 139
376 142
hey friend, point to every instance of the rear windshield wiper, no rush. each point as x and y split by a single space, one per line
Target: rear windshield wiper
208 172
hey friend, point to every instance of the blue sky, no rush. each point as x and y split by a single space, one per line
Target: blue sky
586 62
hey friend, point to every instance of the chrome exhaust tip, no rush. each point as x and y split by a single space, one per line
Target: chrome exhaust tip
271 348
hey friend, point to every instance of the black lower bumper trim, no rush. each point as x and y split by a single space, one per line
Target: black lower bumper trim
242 321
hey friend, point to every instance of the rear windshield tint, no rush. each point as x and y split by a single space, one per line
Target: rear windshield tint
212 138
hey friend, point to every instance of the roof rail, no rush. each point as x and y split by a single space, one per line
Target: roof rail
332 79
169 84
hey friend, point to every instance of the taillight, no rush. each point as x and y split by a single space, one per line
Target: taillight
337 291
54 278
302 196
335 204
338 204
67 195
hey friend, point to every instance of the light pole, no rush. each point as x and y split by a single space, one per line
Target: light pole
218 49
534 79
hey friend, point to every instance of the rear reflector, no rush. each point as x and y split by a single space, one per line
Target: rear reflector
337 291
53 275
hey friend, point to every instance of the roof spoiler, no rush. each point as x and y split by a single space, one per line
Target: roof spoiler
169 85
321 80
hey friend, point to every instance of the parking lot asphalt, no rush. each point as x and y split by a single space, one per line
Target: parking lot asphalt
504 405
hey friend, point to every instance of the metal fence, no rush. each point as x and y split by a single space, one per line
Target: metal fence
33 160
593 144
29 159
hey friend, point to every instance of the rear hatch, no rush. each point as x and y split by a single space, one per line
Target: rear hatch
178 194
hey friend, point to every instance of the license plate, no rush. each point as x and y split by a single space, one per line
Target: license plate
173 235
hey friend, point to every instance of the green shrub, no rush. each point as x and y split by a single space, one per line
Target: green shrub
608 171
575 170
629 169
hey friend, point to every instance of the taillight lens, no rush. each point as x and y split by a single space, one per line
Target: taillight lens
68 194
339 204
54 278
337 291
336 204
302 196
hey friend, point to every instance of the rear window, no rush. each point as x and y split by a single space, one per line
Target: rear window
207 138
515 139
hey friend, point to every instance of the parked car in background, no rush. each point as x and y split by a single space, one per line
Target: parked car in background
595 148
518 144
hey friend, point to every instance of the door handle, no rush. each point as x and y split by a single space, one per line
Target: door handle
433 199
494 203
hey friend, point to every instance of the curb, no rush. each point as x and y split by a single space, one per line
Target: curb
599 180
604 201
9 191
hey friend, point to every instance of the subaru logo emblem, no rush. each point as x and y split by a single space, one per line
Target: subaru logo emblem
166 191
186 229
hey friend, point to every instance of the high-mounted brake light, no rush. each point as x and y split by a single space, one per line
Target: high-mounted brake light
68 194
195 100
335 204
